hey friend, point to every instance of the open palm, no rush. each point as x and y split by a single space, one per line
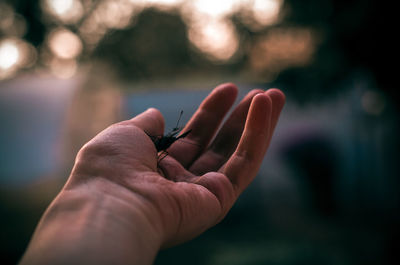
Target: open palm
196 184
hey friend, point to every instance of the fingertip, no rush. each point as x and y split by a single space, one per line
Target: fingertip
151 121
157 116
259 114
155 113
277 96
278 101
276 91
228 86
228 89
245 103
223 96
261 100
254 92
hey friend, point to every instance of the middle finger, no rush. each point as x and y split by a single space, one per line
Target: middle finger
226 140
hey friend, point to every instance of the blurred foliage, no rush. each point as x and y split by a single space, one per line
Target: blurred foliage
156 47
349 38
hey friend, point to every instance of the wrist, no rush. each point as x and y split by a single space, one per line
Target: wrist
99 222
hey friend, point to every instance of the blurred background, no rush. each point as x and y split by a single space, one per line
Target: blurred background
328 191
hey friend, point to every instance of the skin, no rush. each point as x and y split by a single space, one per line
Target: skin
120 207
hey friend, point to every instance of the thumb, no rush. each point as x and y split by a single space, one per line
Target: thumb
151 122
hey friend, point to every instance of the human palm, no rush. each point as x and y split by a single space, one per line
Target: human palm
194 186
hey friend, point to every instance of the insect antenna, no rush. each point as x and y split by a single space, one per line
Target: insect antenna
179 119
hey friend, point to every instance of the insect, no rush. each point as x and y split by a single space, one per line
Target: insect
162 143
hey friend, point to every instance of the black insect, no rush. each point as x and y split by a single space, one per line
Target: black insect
162 143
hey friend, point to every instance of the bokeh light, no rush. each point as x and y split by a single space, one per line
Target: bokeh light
217 39
114 14
211 28
160 4
213 8
281 48
83 24
14 55
9 55
61 7
265 12
68 11
64 43
65 47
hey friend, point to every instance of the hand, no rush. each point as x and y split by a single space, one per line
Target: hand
123 190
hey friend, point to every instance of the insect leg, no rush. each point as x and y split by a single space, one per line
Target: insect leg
163 155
